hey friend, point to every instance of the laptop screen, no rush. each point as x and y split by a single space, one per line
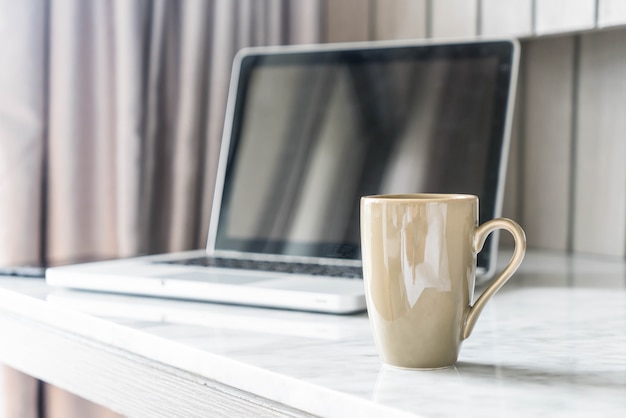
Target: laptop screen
314 130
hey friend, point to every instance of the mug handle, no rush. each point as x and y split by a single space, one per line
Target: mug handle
480 236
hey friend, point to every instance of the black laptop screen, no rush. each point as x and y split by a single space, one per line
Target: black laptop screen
314 131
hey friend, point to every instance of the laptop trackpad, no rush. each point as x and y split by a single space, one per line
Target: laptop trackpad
207 277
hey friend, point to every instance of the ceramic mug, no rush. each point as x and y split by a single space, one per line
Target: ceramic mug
419 267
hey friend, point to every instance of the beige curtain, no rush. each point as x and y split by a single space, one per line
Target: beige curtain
111 114
137 92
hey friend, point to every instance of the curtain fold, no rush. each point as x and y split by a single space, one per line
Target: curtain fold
22 127
191 30
81 136
130 25
133 145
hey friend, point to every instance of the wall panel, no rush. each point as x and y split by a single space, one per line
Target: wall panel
512 189
553 16
547 141
506 18
454 18
600 177
611 12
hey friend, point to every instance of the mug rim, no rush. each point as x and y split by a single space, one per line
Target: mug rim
420 197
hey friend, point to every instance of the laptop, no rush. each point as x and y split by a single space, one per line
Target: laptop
308 131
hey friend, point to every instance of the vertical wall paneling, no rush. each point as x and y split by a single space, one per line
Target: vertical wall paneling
399 19
611 12
506 18
547 141
600 175
347 20
511 203
454 18
553 16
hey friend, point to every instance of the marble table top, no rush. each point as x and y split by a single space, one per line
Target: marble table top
552 342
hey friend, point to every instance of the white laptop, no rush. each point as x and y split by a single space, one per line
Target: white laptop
308 131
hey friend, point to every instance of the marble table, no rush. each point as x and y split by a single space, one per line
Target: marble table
551 343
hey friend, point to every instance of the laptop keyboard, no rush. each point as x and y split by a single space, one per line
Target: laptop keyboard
349 272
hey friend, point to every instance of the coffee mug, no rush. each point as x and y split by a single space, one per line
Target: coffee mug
419 269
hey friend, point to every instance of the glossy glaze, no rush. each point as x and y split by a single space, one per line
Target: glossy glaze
419 266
